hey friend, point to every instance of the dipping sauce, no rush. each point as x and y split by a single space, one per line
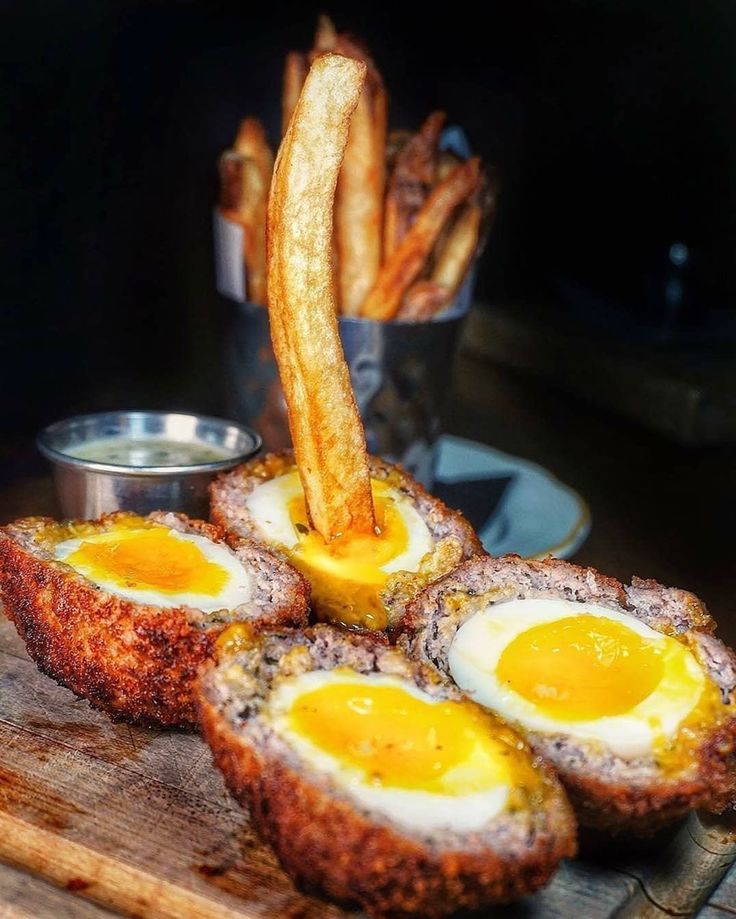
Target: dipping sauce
147 451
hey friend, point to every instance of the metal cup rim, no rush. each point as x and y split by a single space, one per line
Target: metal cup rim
55 455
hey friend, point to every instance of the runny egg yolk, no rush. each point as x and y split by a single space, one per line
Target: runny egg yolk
396 739
582 667
150 558
345 574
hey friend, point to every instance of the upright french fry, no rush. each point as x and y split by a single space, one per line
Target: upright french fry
252 142
404 266
243 199
295 72
326 430
423 300
412 176
458 249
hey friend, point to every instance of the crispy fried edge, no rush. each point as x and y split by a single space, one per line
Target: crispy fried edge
329 846
412 175
458 249
601 803
619 807
423 300
408 259
76 633
326 430
251 142
244 196
359 198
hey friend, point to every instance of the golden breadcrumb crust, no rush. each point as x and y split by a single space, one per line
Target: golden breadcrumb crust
603 803
327 841
135 662
329 847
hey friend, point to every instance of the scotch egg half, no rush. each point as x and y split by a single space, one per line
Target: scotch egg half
588 672
348 573
421 761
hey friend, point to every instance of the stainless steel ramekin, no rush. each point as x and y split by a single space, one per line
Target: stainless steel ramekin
87 488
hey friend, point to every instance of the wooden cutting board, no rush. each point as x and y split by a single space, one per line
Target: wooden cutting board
139 821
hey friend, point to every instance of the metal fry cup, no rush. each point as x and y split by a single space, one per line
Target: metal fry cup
88 488
400 373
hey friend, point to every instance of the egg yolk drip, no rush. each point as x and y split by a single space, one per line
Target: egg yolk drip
345 574
150 558
398 740
582 667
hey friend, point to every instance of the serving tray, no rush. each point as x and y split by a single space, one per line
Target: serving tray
139 821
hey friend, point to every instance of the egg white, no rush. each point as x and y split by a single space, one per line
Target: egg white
477 647
420 810
268 506
236 590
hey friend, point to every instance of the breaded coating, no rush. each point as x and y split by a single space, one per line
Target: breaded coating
134 661
326 839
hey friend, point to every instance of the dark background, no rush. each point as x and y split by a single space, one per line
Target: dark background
611 125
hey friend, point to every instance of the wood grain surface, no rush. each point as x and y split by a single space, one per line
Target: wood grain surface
139 822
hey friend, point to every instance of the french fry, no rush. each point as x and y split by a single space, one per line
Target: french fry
412 176
458 249
423 300
252 143
360 186
446 162
243 199
325 37
359 211
404 266
295 71
326 430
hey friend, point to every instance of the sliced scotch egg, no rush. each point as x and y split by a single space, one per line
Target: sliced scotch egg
362 581
376 783
625 690
123 610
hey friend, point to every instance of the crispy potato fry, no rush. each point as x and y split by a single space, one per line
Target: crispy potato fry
325 38
243 199
446 162
423 300
404 266
458 249
360 186
252 143
328 437
295 72
413 175
359 211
